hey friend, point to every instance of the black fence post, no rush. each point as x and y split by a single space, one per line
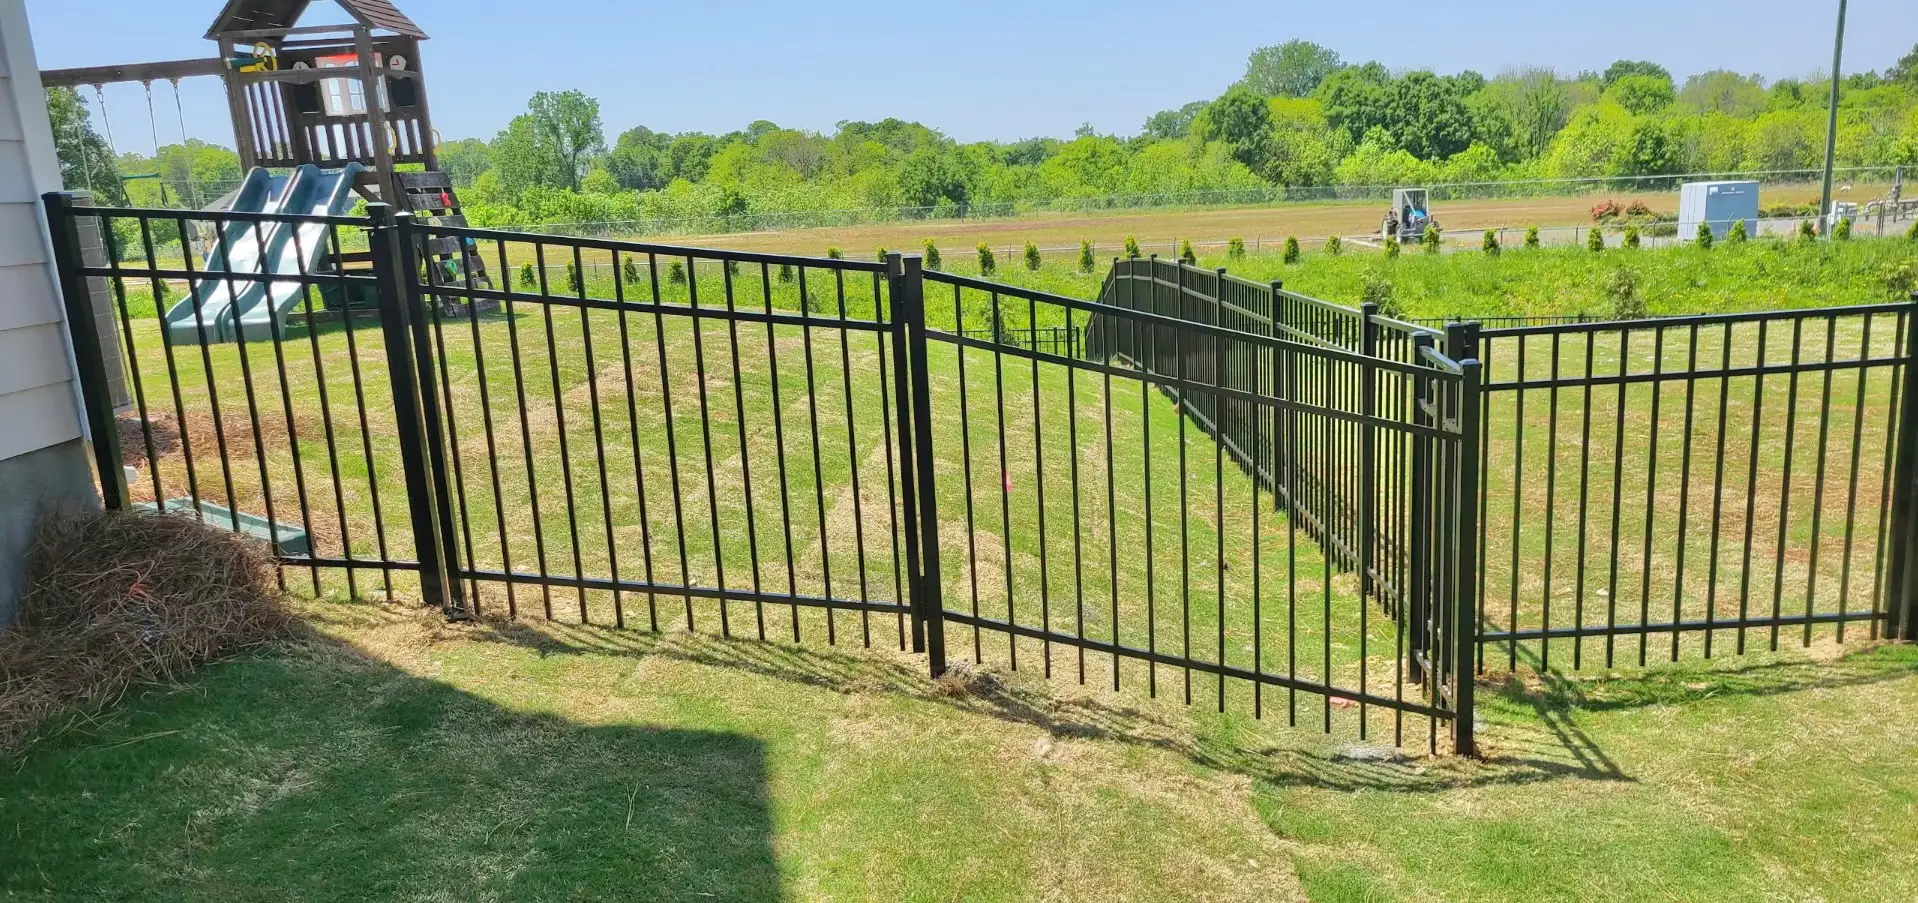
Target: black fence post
1462 347
1418 600
902 419
89 358
909 309
1902 608
1368 446
393 264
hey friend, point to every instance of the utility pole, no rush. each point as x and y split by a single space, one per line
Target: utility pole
1831 123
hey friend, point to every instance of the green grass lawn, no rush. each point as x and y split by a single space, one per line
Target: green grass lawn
395 757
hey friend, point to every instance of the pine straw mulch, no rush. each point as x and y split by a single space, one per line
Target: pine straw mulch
119 599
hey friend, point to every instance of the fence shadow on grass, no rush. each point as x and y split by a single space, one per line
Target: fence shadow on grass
1553 749
319 773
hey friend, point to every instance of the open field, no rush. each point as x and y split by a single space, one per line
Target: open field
395 757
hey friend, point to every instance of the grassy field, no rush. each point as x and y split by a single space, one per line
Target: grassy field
394 757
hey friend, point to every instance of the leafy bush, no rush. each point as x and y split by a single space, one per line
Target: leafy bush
1842 231
1431 239
676 273
1631 237
1912 233
880 255
1376 289
987 263
1032 257
630 269
1900 279
1806 231
1489 244
572 278
1621 286
1787 211
1131 248
1186 253
1737 234
1086 262
1291 249
526 277
1391 247
1531 236
932 256
1334 245
1595 239
786 273
1662 230
835 254
1235 249
1704 237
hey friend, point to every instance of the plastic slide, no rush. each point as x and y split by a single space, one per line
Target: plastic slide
220 310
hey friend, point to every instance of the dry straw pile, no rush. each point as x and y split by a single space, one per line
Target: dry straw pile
119 599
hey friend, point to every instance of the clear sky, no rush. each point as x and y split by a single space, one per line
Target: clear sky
980 69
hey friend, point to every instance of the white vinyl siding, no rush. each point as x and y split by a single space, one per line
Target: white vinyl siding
38 405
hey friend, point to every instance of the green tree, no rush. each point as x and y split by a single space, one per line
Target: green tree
1704 237
676 273
1736 234
931 256
526 277
833 253
1489 244
930 177
1912 233
629 268
1642 94
572 278
1842 230
638 159
1531 236
463 161
1235 249
1391 247
1624 69
1186 253
1086 262
1905 71
1131 248
1723 91
1333 245
987 263
1292 69
880 255
1291 254
1431 239
1631 237
1533 101
1595 239
85 161
551 143
1032 257
1242 121
1172 124
786 273
1806 232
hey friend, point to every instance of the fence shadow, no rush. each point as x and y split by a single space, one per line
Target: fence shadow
1523 754
318 772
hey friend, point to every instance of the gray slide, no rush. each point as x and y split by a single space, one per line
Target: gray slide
220 310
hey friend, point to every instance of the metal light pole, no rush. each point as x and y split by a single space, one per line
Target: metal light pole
1831 123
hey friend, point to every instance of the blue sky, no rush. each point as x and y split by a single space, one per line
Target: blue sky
984 69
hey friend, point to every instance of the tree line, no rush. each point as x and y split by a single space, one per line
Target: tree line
1300 116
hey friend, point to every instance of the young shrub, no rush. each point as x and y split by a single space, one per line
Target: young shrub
1086 263
1807 233
1235 249
1595 240
1912 233
1333 245
786 273
1842 231
1704 238
1900 280
1391 248
1631 237
676 273
526 277
1489 244
1132 248
1032 257
1291 249
835 254
572 278
161 289
1378 290
932 256
1737 234
987 263
1431 240
880 255
1186 253
1622 288
630 269
1531 236
732 267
